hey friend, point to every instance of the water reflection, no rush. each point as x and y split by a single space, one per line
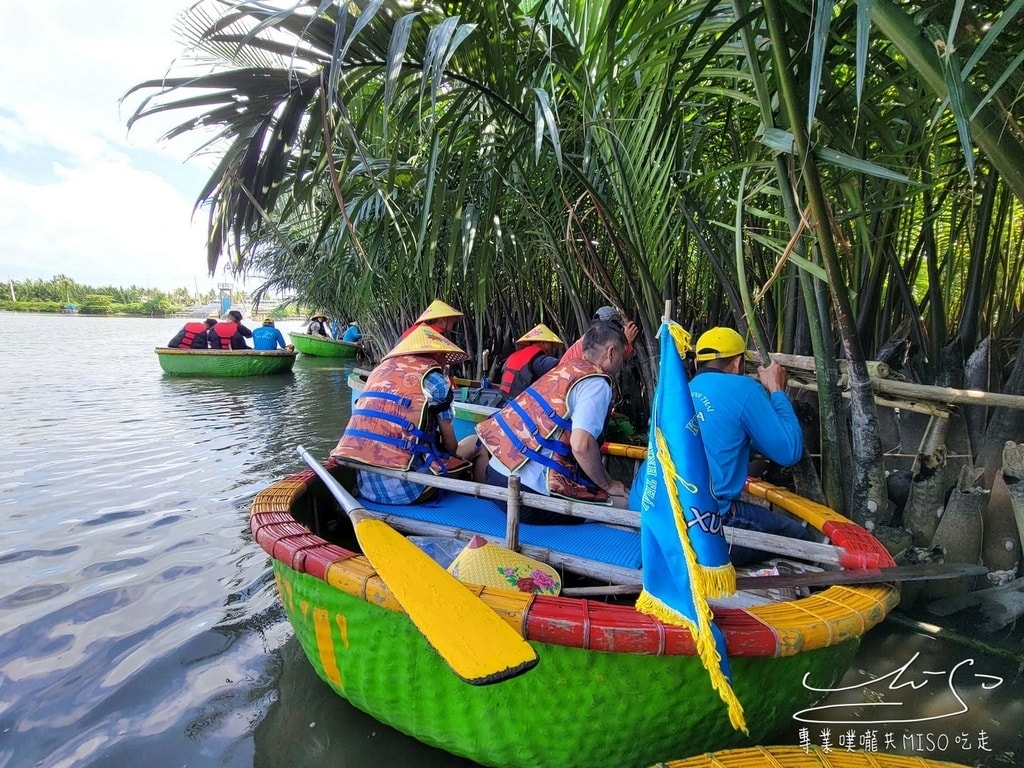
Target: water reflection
309 726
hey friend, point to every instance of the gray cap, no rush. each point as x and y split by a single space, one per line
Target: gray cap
608 315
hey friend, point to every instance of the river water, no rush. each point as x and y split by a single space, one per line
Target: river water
139 622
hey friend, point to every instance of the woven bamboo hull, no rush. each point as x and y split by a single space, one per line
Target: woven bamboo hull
318 346
797 757
466 415
576 708
216 362
613 687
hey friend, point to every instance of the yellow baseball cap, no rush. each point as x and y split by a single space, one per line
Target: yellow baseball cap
424 340
539 332
437 310
719 343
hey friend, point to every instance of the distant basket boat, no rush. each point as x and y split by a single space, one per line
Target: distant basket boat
321 346
613 687
219 362
799 757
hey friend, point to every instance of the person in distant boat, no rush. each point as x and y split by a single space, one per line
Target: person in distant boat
548 435
534 356
318 326
607 315
237 317
439 316
352 334
267 337
193 335
229 333
736 414
403 419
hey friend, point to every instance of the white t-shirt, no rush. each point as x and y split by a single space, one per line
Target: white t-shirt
589 401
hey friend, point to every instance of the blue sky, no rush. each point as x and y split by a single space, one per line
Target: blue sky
79 194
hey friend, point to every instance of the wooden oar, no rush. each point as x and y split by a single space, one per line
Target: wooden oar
474 641
925 572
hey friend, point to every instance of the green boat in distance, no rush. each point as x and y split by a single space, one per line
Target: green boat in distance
320 346
224 362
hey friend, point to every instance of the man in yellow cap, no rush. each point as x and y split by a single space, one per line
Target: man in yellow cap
534 356
403 419
439 316
738 414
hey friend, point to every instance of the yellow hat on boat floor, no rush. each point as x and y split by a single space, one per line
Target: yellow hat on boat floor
424 340
437 310
491 565
539 332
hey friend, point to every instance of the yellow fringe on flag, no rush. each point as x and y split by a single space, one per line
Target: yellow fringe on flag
717 581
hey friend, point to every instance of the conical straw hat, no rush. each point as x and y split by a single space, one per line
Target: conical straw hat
539 332
437 310
423 340
484 562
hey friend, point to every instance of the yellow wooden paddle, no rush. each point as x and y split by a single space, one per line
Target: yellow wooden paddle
478 645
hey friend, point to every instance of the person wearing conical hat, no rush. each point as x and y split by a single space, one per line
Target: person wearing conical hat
740 414
439 316
319 325
403 419
611 315
534 356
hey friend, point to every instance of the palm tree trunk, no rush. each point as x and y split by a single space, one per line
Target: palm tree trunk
869 501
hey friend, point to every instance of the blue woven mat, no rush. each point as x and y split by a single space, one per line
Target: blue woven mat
594 541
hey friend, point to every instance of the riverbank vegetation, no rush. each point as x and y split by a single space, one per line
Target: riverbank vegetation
837 180
60 291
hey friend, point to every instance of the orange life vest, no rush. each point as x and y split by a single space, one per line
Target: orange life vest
537 419
223 332
392 422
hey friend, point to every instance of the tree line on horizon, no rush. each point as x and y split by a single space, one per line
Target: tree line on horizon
38 295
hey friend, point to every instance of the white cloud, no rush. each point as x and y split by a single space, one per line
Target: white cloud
79 195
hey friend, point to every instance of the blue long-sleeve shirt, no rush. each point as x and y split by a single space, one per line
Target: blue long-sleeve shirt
267 337
737 414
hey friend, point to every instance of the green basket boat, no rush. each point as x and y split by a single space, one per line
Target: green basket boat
800 757
321 346
218 362
613 687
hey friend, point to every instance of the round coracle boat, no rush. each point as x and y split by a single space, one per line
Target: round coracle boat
613 686
803 757
321 346
224 362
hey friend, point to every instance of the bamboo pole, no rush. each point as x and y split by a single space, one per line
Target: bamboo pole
907 389
808 363
515 495
595 569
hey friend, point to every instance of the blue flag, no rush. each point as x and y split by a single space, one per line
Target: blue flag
685 555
